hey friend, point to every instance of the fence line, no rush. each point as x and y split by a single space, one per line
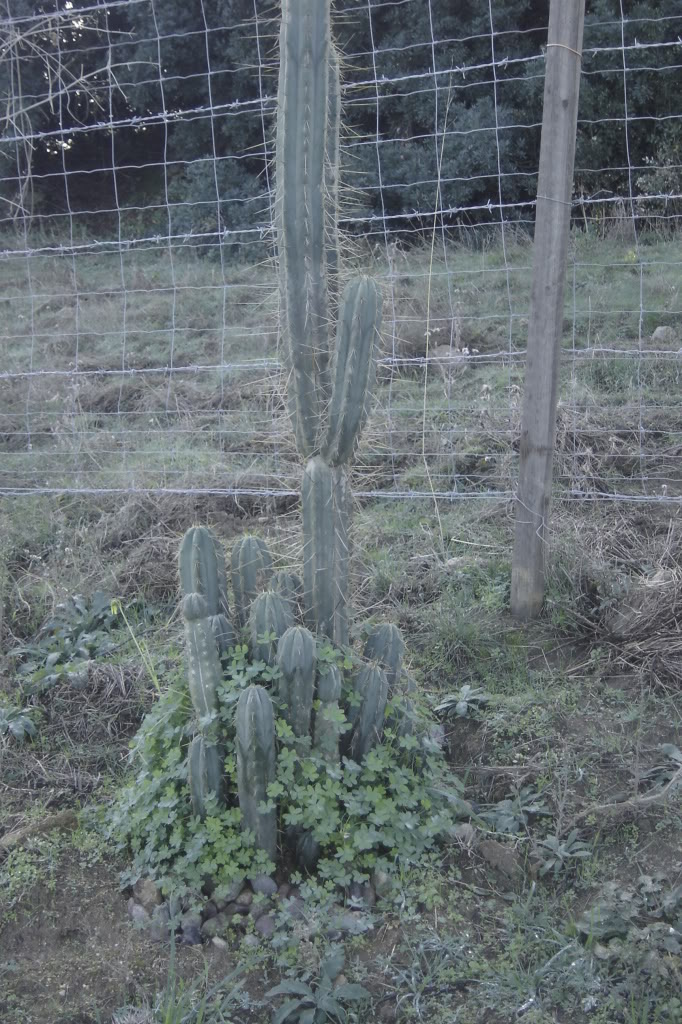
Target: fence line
139 346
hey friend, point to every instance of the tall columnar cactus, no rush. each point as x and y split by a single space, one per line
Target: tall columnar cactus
328 395
256 765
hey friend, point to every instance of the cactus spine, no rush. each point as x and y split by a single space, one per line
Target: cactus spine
328 399
256 765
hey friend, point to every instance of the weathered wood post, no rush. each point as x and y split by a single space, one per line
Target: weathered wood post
552 224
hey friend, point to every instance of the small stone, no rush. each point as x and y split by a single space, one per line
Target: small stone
234 890
237 909
210 910
138 913
265 926
147 894
264 885
664 335
191 921
245 899
340 980
284 890
160 926
251 941
260 907
382 883
211 927
503 859
362 895
388 1013
218 942
350 923
463 833
191 936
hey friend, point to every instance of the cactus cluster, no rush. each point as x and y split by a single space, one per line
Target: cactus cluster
330 337
306 686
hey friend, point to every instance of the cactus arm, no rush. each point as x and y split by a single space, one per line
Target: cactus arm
205 774
327 730
301 222
202 569
297 659
223 633
371 685
202 656
270 614
251 565
326 513
354 368
385 645
256 765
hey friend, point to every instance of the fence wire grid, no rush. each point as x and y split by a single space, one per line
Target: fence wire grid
139 342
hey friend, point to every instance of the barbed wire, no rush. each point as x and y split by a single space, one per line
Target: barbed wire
140 335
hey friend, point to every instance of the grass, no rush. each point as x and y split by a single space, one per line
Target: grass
583 706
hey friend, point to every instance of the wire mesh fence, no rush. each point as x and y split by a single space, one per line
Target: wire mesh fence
139 343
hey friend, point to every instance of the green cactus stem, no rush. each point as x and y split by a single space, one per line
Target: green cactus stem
297 660
326 500
202 569
353 371
223 633
205 774
327 730
385 645
290 587
204 669
269 619
256 765
251 565
303 218
371 685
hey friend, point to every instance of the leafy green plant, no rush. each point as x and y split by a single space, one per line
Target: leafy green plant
513 814
556 854
467 699
78 633
320 1001
17 723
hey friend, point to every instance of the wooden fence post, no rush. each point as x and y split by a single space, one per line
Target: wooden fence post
552 225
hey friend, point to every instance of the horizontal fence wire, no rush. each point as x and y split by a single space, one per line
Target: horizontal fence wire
140 347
